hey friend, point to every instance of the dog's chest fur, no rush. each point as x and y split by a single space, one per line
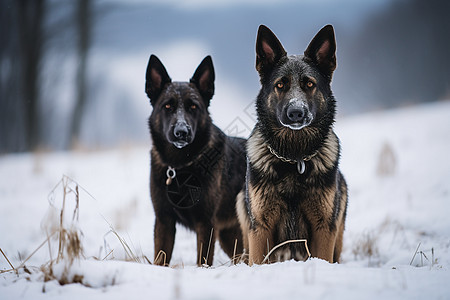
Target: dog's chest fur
293 203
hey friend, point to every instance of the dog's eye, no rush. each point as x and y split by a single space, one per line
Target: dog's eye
193 106
310 84
168 106
280 85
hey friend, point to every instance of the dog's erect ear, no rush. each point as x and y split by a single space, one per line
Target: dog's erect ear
203 79
269 50
155 79
322 50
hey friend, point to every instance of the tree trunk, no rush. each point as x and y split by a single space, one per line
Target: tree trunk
84 38
30 21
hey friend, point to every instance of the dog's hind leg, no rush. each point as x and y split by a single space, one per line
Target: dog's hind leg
243 218
231 242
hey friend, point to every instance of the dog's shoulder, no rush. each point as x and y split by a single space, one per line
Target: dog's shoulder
327 156
259 154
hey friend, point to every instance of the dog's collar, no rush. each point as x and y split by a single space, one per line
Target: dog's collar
301 167
210 154
170 173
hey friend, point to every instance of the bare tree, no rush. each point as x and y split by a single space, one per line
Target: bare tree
22 37
31 19
9 125
83 22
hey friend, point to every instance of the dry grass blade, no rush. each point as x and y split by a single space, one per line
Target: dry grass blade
36 250
209 246
108 254
76 212
415 253
148 260
160 254
69 240
205 259
60 222
126 247
199 260
64 236
7 259
22 265
284 243
234 253
237 258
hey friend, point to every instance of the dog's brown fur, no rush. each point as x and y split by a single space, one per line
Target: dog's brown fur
280 203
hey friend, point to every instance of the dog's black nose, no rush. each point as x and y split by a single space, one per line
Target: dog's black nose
180 131
295 114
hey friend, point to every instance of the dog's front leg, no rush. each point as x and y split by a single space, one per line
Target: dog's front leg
323 244
164 240
206 240
260 242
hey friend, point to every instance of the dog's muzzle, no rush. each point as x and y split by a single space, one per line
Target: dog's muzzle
182 135
296 115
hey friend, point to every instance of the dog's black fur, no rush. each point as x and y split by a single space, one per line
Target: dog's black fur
294 187
185 139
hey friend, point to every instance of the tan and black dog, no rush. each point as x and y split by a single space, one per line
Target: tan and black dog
294 188
196 170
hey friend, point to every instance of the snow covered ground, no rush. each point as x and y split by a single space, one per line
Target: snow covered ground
397 238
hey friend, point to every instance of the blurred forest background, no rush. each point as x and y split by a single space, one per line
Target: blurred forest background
72 72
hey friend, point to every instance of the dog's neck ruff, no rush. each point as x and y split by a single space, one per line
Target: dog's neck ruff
194 159
301 167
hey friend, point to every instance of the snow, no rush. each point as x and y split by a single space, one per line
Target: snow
398 203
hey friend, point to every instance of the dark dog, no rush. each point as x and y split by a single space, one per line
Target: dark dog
196 170
294 187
